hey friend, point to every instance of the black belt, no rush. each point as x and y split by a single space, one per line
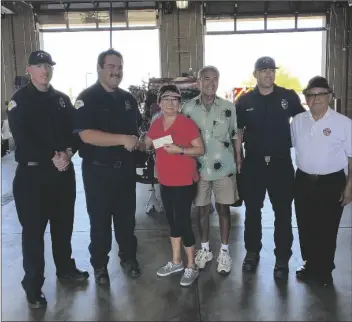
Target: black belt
116 164
268 158
36 164
315 177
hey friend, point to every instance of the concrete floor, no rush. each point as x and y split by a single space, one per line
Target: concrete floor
252 297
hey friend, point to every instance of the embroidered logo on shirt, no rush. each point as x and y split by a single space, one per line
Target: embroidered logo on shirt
327 131
62 102
128 105
284 104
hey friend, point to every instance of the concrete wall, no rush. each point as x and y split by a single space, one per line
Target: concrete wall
181 41
18 39
339 56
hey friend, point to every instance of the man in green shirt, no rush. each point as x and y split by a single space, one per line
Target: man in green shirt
216 119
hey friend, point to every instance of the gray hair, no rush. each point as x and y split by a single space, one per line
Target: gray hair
205 69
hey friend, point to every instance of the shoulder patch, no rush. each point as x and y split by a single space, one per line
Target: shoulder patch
11 105
79 104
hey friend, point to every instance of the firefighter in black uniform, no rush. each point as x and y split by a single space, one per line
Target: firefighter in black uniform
263 114
44 187
107 120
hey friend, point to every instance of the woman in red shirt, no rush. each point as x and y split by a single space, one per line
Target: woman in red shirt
177 141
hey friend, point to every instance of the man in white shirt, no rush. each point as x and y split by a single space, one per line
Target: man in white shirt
323 142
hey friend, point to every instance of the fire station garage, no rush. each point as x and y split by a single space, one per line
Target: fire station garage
169 42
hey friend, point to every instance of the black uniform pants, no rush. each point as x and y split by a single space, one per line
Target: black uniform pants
318 212
110 193
42 194
277 178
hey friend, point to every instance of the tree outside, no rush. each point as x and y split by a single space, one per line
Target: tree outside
283 78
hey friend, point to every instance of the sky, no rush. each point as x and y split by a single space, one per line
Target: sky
234 55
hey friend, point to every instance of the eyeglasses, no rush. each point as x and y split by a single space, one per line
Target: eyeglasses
170 100
312 95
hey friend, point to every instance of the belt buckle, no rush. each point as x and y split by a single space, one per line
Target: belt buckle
267 159
117 164
97 163
30 164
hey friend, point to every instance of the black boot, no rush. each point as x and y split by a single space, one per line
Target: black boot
281 269
101 276
324 279
131 267
72 274
303 272
36 299
250 262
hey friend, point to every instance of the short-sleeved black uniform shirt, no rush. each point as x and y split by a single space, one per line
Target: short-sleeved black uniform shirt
113 112
41 123
266 120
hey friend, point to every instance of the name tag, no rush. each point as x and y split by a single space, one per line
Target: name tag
158 143
249 109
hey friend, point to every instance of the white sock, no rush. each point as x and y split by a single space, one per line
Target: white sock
224 247
205 245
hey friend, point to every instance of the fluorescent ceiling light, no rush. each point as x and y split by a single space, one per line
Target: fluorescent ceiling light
182 4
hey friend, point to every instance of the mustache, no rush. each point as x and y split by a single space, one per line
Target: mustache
116 75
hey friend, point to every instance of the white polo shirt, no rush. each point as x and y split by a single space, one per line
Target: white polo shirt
322 146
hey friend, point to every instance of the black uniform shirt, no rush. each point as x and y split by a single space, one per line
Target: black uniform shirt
266 120
41 123
113 112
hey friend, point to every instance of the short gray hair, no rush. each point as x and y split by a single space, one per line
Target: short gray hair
206 68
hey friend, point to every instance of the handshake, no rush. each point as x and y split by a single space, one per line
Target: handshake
62 160
131 142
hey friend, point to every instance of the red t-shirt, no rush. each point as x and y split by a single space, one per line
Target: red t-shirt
175 169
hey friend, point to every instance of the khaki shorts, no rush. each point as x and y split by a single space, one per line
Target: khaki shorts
225 191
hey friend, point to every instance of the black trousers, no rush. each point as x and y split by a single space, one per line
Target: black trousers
42 194
277 178
177 202
318 212
110 193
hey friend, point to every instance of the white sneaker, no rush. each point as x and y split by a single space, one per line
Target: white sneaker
202 257
225 262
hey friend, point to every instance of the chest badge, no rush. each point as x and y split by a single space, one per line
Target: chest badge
327 131
62 102
284 104
128 106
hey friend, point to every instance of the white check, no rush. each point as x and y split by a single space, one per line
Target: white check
158 143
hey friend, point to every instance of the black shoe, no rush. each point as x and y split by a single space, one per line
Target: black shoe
281 269
303 272
131 267
101 276
74 275
250 262
36 300
238 203
325 280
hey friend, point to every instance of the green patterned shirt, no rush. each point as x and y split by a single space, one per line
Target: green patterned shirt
218 126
